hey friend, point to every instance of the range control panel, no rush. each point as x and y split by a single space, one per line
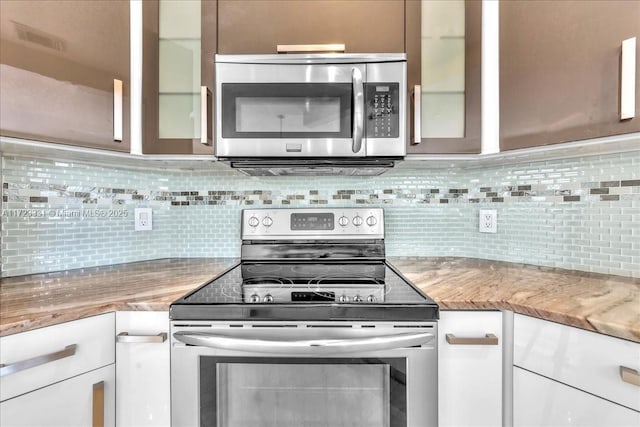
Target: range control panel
346 294
330 223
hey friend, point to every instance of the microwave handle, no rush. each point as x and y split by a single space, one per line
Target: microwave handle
358 109
304 347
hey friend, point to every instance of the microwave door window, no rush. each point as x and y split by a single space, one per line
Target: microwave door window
286 115
286 110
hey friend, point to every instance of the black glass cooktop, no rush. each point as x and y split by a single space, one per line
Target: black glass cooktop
307 291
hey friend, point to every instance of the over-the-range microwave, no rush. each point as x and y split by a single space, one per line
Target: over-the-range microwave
311 114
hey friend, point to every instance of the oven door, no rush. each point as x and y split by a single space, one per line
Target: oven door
292 110
301 375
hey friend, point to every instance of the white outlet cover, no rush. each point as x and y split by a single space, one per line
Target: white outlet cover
143 219
488 221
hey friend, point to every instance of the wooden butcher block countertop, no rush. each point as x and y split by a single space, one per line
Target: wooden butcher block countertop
596 302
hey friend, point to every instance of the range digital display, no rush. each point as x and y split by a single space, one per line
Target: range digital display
312 221
313 296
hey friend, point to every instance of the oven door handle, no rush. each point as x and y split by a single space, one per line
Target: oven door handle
304 347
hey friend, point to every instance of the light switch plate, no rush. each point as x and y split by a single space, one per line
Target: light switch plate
488 221
143 218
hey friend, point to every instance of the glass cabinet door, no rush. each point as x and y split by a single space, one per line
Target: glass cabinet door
179 79
178 50
443 55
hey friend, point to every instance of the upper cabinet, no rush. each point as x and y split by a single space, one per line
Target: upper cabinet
363 26
179 43
443 41
561 76
64 72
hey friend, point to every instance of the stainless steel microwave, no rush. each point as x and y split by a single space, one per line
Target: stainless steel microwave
311 114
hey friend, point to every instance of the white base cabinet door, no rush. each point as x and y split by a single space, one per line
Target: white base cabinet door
142 369
470 368
84 400
539 401
586 360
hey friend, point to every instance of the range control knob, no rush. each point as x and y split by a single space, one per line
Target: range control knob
357 221
268 298
267 221
254 221
371 298
371 221
343 298
357 298
343 221
254 298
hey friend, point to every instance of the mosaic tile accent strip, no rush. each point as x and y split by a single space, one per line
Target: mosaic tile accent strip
56 194
581 213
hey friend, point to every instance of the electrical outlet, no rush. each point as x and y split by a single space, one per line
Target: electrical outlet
488 221
143 218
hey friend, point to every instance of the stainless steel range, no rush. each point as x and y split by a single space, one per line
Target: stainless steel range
312 328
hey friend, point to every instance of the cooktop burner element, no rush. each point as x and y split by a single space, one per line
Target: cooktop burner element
309 264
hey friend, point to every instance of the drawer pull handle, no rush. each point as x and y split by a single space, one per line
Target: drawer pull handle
204 115
124 337
98 405
630 376
309 48
68 351
417 114
488 339
628 80
117 110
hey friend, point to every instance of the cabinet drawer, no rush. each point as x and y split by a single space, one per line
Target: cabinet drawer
586 360
539 401
53 354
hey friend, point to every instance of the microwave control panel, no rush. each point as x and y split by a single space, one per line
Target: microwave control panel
382 110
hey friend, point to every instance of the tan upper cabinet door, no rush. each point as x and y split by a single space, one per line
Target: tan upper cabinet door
560 70
179 43
444 75
64 72
363 26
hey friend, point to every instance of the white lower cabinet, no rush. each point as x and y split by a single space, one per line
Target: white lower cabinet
142 369
61 375
539 401
470 368
566 376
84 400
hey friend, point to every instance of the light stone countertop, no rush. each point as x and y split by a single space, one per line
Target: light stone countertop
595 302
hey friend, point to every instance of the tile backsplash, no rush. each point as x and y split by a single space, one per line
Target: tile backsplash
581 213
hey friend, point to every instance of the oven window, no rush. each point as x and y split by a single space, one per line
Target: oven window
287 392
291 110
